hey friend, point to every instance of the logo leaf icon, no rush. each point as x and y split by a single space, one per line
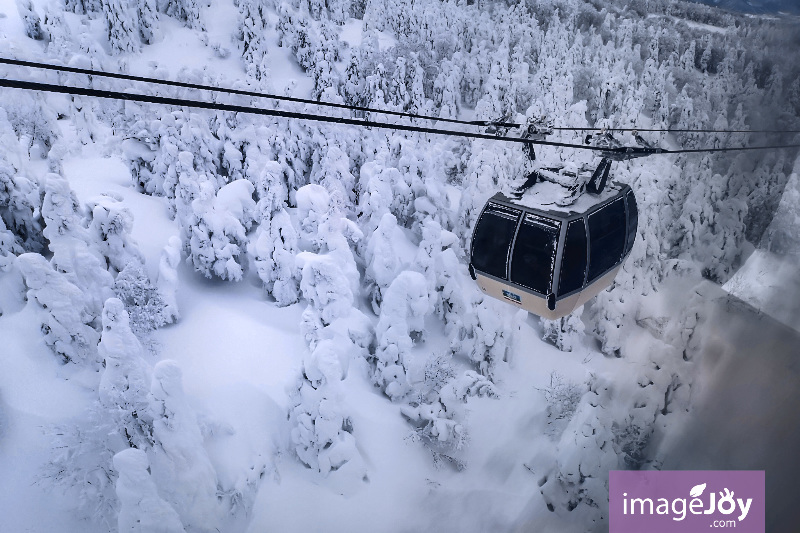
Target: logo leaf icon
697 490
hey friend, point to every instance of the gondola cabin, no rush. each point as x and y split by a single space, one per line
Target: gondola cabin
547 259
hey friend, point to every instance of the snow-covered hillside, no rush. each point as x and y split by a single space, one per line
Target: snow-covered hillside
756 6
225 322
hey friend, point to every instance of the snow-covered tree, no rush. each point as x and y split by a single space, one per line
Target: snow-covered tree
383 262
66 321
168 278
187 11
253 24
564 333
168 154
217 229
437 261
268 179
609 325
143 302
383 189
313 208
122 25
69 241
142 510
82 7
440 426
125 381
148 20
20 205
117 420
713 230
274 252
110 229
482 333
324 286
179 463
81 463
405 305
33 24
323 66
322 434
585 453
8 248
332 171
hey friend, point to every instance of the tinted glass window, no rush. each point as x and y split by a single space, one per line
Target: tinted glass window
607 235
534 253
492 239
633 220
573 260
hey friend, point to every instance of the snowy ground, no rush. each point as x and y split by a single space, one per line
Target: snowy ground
242 356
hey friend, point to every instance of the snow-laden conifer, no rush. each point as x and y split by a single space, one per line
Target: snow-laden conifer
122 25
405 305
324 286
110 229
125 381
168 278
322 435
33 24
64 311
564 333
8 247
253 24
274 252
148 20
70 242
116 420
20 204
143 301
383 262
217 226
187 11
142 510
179 463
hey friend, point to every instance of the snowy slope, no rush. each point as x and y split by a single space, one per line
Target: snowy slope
755 6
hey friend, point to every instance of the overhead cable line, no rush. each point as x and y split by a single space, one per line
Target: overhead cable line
242 92
200 104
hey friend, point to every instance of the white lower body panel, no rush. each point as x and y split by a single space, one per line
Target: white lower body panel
537 304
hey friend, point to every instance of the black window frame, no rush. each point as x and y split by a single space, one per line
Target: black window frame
591 275
631 221
537 220
517 214
568 223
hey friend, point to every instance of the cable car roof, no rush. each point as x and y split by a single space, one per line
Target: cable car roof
544 198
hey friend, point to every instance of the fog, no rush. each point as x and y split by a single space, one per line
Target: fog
747 406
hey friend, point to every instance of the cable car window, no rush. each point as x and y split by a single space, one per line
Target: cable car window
633 220
492 241
607 235
573 259
535 253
